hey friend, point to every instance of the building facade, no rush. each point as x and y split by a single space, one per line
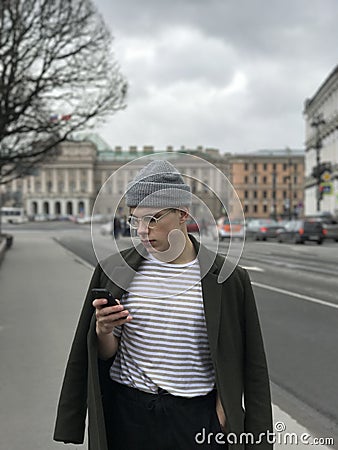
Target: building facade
269 183
62 186
321 140
88 177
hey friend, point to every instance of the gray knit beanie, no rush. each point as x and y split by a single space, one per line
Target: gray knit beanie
158 184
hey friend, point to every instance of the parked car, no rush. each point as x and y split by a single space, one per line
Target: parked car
262 229
230 229
192 226
300 231
83 220
106 228
330 224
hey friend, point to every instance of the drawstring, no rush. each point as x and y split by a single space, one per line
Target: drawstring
157 399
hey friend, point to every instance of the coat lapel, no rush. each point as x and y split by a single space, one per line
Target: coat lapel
121 268
212 298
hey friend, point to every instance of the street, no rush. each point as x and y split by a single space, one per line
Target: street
296 291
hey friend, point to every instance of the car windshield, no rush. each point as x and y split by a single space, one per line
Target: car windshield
312 226
290 226
263 222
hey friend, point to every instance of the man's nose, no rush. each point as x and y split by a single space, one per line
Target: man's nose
142 228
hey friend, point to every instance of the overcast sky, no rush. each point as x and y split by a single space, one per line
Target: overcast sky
227 74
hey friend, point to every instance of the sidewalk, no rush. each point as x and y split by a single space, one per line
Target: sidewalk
42 287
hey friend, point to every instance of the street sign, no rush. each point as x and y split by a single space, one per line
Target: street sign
326 188
326 176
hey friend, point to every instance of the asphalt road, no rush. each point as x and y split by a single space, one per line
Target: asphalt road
296 290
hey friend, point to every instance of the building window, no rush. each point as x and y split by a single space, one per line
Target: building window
285 194
274 166
255 166
265 180
45 207
246 179
254 194
246 166
255 179
81 207
285 167
265 166
265 194
295 180
72 186
120 187
34 207
265 208
285 179
246 208
255 208
205 186
246 194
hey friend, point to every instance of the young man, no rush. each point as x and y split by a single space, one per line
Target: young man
179 363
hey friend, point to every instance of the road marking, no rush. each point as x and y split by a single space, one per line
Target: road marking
294 294
253 268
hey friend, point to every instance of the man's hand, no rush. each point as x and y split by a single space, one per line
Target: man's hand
107 318
220 413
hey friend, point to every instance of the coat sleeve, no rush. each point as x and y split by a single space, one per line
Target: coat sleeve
257 399
72 407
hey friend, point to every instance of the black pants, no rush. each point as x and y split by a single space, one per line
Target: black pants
137 420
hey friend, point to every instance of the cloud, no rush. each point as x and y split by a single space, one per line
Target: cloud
228 74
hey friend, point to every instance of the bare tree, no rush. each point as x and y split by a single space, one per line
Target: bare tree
57 75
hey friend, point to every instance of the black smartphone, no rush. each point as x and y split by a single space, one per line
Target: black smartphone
104 293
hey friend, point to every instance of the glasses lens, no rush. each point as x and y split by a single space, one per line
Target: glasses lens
149 221
133 222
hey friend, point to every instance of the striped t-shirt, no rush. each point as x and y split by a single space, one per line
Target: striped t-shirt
165 344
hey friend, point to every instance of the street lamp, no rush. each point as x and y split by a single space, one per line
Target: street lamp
289 178
274 205
316 123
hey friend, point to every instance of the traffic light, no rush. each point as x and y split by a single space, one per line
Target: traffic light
318 171
321 192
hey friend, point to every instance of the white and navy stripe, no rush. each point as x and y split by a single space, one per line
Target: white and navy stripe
166 344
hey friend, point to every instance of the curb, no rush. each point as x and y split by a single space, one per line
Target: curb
3 248
5 244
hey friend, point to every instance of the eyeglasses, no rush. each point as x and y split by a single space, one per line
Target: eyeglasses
149 221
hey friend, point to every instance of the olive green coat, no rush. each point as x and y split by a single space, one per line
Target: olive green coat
235 343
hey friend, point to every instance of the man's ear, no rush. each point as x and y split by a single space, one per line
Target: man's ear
184 215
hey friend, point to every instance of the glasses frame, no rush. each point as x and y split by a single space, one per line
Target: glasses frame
147 219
